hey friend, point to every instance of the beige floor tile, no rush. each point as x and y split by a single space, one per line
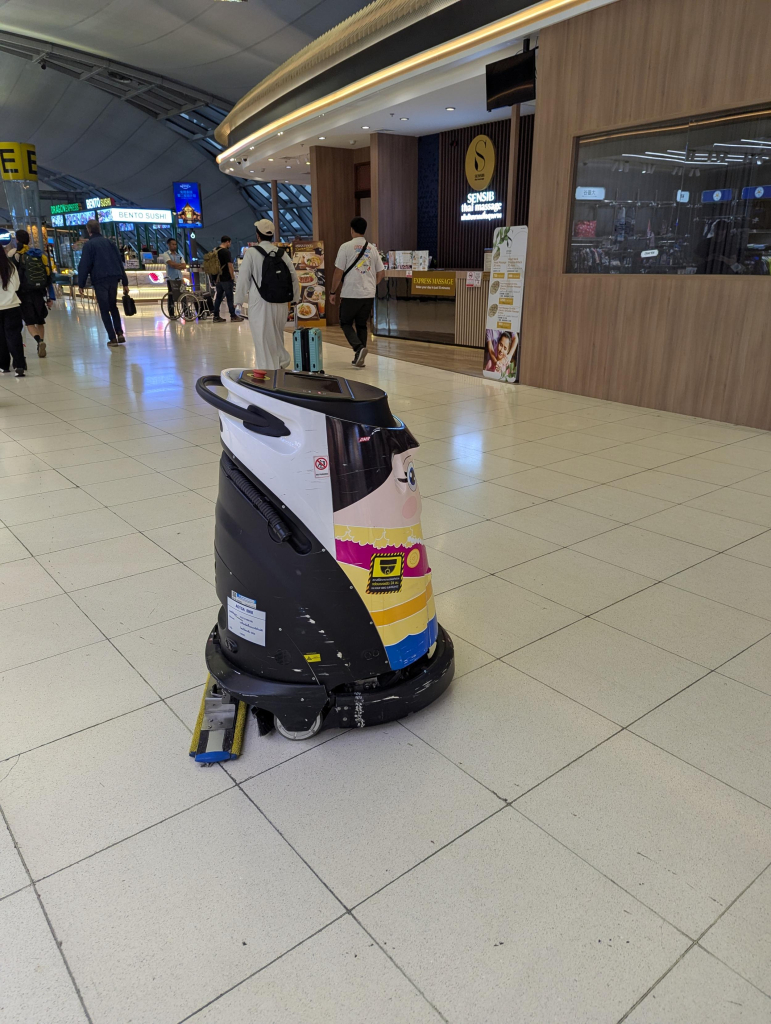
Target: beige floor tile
738 455
760 484
131 432
641 551
685 624
504 437
613 673
27 432
12 449
468 657
432 480
659 484
557 523
711 472
543 730
48 535
499 617
701 988
722 433
640 456
185 541
490 546
614 503
576 581
102 472
29 484
580 420
42 629
679 444
166 510
752 666
77 690
105 911
750 508
759 442
11 549
138 488
309 802
695 526
204 567
80 456
337 972
205 435
170 654
150 445
13 875
620 432
205 475
438 517
95 788
102 561
36 986
534 453
525 911
36 507
179 458
544 483
731 581
742 938
720 726
488 500
24 580
125 605
595 468
21 465
681 842
59 441
448 571
584 444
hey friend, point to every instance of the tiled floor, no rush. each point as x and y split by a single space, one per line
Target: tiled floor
578 832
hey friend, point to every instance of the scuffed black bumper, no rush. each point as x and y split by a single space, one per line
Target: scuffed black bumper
297 705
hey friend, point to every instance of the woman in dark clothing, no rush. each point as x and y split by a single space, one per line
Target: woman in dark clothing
11 343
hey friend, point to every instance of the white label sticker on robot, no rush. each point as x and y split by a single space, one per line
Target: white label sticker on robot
321 465
245 619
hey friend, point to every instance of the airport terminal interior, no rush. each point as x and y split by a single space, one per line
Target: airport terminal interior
417 680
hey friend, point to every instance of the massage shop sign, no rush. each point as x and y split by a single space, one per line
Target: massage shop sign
504 304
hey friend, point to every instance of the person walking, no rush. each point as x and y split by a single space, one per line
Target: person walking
225 283
267 281
175 264
37 287
359 269
101 260
11 343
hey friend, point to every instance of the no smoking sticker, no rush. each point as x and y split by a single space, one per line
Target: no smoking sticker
321 465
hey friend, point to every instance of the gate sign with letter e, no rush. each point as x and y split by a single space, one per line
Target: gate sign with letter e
321 465
385 575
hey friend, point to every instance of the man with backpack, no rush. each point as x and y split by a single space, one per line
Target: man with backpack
360 270
37 287
226 278
267 282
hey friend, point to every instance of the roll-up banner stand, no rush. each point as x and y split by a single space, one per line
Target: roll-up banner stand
504 305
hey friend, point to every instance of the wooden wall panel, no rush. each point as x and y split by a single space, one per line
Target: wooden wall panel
334 204
394 188
689 344
461 244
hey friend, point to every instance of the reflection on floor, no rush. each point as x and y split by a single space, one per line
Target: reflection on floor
443 357
579 831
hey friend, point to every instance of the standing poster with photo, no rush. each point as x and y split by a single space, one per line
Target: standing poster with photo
504 304
308 259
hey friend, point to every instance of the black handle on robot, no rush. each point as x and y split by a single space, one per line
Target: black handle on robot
258 420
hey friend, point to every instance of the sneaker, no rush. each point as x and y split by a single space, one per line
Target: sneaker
218 320
41 349
236 319
20 373
5 371
361 355
121 339
112 343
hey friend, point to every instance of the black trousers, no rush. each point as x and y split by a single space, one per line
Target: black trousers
355 312
11 342
224 290
106 293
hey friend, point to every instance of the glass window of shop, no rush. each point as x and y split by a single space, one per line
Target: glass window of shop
689 197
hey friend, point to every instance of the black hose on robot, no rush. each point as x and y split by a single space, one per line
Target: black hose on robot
281 530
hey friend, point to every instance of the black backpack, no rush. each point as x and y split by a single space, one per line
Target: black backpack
276 284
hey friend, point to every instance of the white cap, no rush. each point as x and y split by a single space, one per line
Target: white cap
265 226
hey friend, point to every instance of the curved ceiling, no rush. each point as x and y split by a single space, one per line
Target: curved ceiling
79 129
226 48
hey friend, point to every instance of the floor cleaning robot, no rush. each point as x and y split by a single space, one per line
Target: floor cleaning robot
327 615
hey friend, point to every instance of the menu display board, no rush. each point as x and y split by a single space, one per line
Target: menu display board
504 304
308 258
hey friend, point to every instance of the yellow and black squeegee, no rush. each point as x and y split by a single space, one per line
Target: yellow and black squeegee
219 731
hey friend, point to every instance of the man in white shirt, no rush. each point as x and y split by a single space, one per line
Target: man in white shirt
175 264
360 270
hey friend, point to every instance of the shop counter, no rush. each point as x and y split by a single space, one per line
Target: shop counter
432 305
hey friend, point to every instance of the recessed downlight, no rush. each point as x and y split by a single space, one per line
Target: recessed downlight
404 119
365 127
321 138
449 108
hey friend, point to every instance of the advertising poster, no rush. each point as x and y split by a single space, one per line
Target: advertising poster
308 258
504 304
433 282
187 204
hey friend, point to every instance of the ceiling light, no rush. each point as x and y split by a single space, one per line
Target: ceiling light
449 108
251 148
307 163
404 119
321 138
289 167
279 133
365 127
270 159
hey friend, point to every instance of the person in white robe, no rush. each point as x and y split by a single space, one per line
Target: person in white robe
267 320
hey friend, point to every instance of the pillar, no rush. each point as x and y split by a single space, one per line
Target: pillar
276 211
511 188
394 185
333 199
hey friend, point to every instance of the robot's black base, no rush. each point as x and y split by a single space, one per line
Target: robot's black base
303 709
